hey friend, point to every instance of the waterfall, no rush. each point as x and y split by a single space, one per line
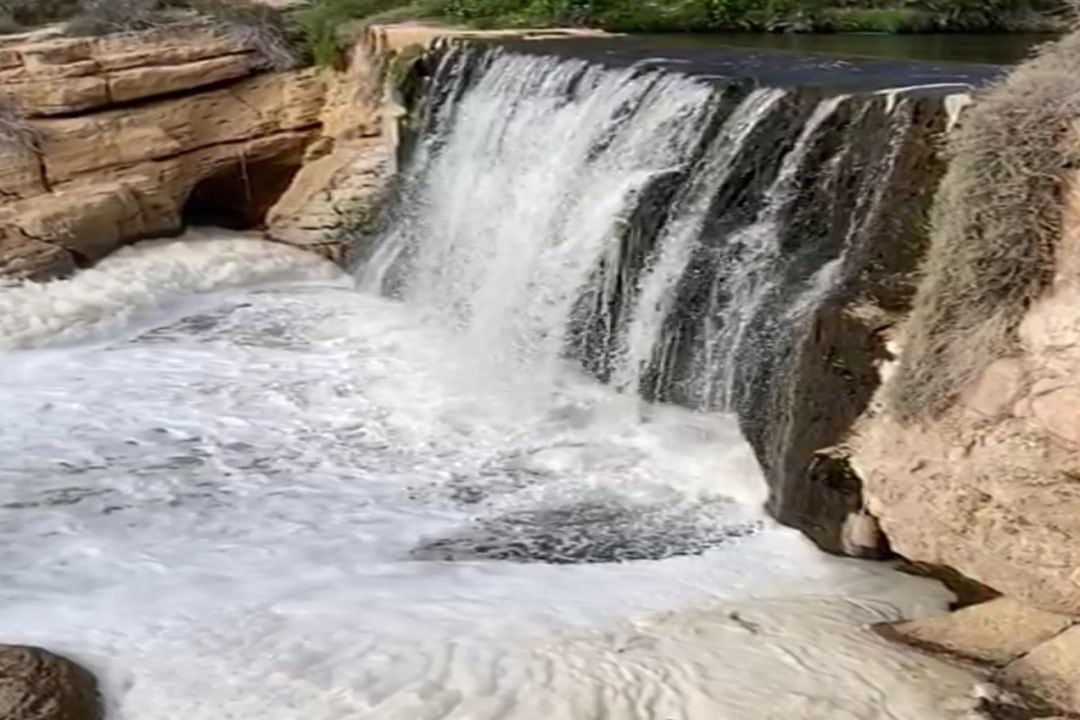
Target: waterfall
675 236
522 189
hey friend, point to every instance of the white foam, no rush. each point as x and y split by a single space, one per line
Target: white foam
217 520
128 285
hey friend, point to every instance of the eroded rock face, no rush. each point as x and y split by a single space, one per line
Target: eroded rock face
341 189
63 76
38 685
128 164
992 488
801 409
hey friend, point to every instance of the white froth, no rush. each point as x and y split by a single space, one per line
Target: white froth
217 518
128 285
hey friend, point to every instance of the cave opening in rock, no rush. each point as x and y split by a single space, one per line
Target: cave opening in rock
239 195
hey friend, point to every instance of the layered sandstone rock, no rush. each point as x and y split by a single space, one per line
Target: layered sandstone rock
38 685
180 128
62 76
341 189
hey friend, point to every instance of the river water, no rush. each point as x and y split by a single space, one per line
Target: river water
236 482
269 495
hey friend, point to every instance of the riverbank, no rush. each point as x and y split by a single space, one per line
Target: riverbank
321 30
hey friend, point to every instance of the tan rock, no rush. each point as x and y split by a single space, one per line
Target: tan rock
1050 672
70 95
142 82
1059 413
259 106
37 685
998 631
61 76
26 258
20 172
90 217
340 193
998 389
995 493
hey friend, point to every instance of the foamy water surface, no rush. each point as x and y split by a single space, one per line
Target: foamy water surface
234 487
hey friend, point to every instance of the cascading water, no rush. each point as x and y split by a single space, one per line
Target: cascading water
634 220
234 487
523 187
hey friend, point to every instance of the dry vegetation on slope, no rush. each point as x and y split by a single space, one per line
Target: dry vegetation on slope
997 217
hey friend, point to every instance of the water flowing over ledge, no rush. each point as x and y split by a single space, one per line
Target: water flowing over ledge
692 239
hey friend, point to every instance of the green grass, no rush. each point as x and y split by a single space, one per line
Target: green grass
325 20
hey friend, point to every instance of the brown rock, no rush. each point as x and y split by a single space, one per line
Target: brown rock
61 76
20 171
142 82
1050 672
998 631
343 191
253 108
93 215
26 258
38 685
995 494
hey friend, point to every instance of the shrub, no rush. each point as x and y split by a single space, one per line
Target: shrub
263 29
996 221
253 25
28 13
323 22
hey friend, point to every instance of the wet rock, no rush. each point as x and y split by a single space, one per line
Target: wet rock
996 632
38 685
800 409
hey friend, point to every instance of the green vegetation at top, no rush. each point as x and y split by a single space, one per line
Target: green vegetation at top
323 20
319 28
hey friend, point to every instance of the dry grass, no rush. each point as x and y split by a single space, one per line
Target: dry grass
253 25
996 220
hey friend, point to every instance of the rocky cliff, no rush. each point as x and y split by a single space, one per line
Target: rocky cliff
113 139
970 455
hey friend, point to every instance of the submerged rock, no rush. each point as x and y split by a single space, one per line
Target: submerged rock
35 684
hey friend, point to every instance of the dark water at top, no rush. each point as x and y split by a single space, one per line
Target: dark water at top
992 49
848 62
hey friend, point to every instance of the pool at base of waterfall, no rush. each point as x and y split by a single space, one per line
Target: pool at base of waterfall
235 487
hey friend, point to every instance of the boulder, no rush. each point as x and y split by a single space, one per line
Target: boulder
996 632
38 685
1050 672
